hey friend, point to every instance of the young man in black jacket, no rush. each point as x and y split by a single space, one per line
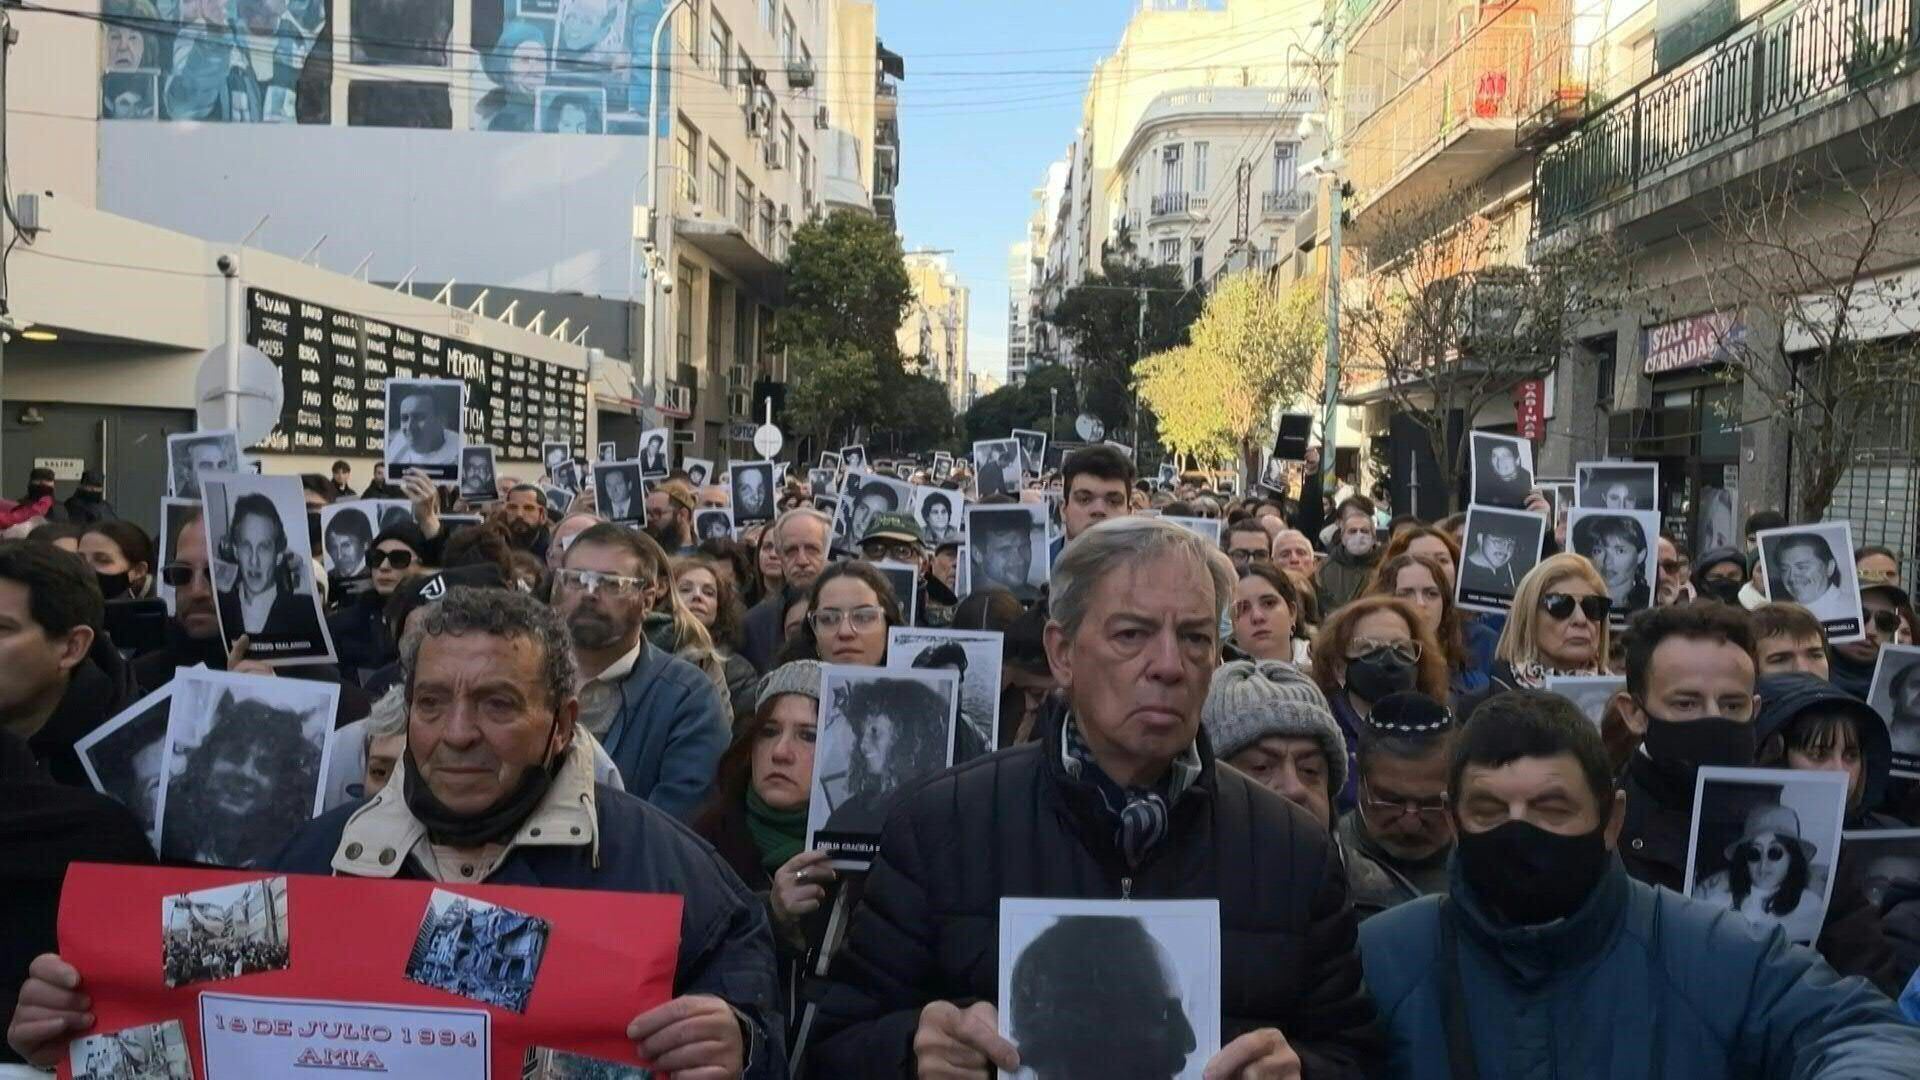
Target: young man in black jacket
1119 799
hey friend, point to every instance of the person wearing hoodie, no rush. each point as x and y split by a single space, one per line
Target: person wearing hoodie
1354 553
1719 575
88 503
40 490
60 676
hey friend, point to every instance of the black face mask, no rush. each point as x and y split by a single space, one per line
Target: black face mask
1721 589
39 491
494 824
1527 875
86 496
1678 748
112 586
1380 673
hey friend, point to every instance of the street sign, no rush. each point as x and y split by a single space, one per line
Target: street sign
767 441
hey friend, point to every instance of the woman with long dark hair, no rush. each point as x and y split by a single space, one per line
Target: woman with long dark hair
849 611
122 559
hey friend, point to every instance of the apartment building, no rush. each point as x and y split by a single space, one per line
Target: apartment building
935 329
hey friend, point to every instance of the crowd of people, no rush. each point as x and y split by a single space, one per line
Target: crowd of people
1426 863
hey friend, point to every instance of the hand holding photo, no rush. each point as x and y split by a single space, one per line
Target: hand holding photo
879 731
257 552
424 427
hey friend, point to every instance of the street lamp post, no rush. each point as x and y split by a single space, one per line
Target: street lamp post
656 260
1053 415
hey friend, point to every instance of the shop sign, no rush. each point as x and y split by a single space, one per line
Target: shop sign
1530 409
1691 342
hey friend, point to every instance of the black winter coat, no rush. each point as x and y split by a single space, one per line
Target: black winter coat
1016 824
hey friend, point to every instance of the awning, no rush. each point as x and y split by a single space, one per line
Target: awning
891 63
727 245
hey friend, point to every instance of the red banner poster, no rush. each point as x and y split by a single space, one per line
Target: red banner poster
259 976
1530 409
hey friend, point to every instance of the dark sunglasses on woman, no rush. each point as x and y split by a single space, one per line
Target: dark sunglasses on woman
1560 606
400 559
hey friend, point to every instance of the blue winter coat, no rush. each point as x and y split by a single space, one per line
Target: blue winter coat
726 946
670 731
1639 984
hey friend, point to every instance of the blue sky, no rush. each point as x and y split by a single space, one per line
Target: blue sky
992 94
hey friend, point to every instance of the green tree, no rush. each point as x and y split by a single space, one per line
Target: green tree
1028 405
1101 317
1264 345
847 291
831 393
919 414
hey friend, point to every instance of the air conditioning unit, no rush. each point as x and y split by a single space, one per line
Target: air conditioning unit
799 75
820 119
775 159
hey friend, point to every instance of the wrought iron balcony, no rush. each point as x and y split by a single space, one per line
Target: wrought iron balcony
1286 203
1173 202
1770 68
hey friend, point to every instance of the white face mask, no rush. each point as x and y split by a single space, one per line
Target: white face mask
1358 543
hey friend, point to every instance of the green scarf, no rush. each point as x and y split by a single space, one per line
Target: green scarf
779 834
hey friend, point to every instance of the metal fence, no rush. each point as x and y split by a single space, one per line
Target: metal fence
1785 57
1880 492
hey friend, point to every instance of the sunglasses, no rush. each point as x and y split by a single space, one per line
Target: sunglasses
400 559
1772 853
180 575
1560 606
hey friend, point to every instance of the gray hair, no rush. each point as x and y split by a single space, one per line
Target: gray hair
497 613
802 512
389 714
1122 542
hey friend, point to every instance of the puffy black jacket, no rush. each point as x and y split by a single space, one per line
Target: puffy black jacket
1016 824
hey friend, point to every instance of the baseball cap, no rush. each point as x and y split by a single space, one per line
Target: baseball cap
894 527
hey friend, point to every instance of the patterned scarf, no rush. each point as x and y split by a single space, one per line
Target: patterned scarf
1141 814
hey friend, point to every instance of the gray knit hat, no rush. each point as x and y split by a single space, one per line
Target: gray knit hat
798 677
1252 699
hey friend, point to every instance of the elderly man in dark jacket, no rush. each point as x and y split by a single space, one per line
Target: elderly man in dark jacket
1547 960
1120 799
492 790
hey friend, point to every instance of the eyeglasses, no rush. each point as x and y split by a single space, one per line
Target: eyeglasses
901 551
1360 648
1560 606
1245 555
400 559
592 581
829 619
1772 852
179 575
1394 809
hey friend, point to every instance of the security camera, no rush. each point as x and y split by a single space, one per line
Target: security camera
226 265
666 286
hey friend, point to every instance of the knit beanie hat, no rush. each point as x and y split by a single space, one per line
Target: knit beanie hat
798 677
1252 699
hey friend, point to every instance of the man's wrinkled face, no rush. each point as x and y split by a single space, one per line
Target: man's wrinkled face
1137 668
803 551
420 422
1404 804
1294 767
478 717
125 47
1292 552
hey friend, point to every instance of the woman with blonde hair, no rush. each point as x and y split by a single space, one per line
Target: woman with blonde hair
1558 626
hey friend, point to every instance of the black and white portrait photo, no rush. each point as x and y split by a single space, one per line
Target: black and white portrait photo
478 950
567 475
346 535
1500 546
699 471
1764 843
558 498
244 760
1895 695
1617 485
1813 566
424 418
1502 470
224 932
1624 546
751 484
942 468
544 1063
477 475
572 110
852 458
263 581
1007 548
1087 984
940 513
149 1052
123 758
975 655
174 514
1033 449
656 453
1879 860
191 456
996 467
879 731
904 580
714 523
616 492
865 495
129 95
607 452
1589 693
553 455
1206 528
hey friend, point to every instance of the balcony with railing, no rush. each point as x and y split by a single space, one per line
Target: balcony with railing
1453 124
1286 204
1171 203
1776 67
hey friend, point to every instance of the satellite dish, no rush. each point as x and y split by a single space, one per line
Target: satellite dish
1089 427
261 393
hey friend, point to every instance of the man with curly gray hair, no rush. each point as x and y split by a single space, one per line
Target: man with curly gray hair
493 787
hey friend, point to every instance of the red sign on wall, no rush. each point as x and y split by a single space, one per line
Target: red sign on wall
1530 409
